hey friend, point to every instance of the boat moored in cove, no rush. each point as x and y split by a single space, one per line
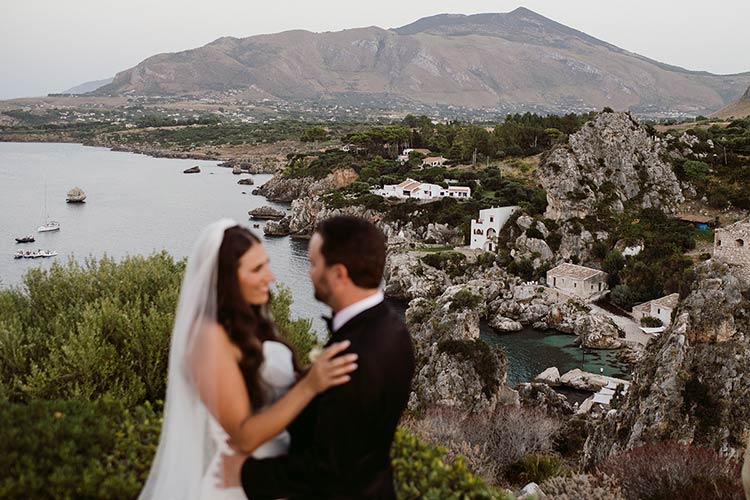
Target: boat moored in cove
34 254
49 226
26 239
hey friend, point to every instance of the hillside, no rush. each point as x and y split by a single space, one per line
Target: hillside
739 109
506 61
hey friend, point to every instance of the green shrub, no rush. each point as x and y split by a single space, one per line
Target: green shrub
76 449
537 468
695 170
651 322
523 268
582 486
451 262
420 472
101 329
533 232
553 241
464 299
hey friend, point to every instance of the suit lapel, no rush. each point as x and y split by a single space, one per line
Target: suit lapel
366 316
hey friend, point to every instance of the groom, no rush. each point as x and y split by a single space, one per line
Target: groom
341 442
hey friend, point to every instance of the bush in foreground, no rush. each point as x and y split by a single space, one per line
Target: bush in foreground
76 449
671 470
83 353
102 329
491 443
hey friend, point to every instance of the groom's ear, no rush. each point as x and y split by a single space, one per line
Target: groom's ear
340 272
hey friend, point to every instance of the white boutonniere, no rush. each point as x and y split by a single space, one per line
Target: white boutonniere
315 352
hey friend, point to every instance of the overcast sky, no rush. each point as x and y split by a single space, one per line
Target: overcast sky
52 45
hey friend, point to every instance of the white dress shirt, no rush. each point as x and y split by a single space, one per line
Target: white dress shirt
343 316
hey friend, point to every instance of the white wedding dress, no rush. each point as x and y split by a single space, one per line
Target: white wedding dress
277 376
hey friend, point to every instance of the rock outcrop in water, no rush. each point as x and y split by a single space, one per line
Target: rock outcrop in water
693 384
610 161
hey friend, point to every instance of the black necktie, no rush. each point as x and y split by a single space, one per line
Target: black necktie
329 322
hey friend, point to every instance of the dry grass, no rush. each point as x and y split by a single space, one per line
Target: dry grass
491 443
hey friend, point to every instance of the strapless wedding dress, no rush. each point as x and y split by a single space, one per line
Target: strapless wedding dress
277 375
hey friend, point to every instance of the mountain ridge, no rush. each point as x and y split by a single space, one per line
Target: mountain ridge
515 59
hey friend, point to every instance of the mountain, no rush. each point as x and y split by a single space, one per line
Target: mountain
87 87
739 109
510 60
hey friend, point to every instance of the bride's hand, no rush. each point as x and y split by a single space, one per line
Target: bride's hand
328 370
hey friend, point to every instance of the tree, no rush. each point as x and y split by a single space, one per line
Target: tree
314 134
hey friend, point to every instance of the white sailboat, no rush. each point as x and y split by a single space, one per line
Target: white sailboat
49 225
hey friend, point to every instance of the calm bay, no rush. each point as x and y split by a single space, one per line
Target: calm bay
138 205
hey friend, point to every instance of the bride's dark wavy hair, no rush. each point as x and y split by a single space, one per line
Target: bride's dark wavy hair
247 325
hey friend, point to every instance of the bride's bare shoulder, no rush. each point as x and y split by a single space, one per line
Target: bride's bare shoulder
212 339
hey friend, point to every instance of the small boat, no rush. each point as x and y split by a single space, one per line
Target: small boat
26 239
36 254
50 225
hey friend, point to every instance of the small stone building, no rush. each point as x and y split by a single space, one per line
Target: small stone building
658 308
732 246
584 282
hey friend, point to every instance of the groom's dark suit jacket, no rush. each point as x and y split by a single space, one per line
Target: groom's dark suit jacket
341 442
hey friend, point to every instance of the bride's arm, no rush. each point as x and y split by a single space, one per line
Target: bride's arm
221 386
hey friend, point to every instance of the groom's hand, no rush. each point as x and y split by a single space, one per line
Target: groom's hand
229 473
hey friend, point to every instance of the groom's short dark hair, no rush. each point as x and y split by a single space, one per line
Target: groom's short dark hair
357 244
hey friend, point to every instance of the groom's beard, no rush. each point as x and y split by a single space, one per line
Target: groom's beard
321 292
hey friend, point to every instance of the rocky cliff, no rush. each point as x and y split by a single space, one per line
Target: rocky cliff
285 189
693 383
454 367
612 160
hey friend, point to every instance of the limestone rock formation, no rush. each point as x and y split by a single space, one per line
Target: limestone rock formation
691 385
550 376
266 213
281 188
277 227
454 367
610 161
407 278
598 332
503 324
578 379
543 397
76 195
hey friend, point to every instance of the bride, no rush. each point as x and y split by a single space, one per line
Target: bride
231 380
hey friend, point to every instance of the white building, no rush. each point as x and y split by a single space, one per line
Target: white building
422 191
434 161
404 156
485 229
658 308
584 282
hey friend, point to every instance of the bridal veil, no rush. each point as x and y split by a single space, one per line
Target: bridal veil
185 447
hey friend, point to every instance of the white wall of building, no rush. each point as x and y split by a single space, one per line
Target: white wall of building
485 229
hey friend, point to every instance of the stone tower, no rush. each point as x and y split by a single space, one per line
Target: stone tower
732 246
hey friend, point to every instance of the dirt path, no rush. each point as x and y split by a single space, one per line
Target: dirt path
633 332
